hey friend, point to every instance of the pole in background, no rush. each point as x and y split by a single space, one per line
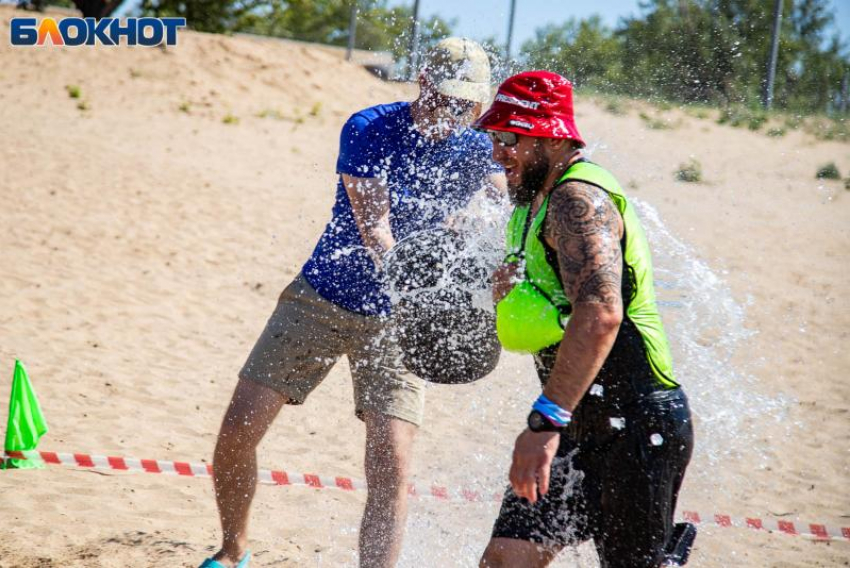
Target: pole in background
767 98
510 31
352 30
413 51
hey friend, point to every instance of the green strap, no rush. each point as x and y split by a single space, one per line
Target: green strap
516 231
642 307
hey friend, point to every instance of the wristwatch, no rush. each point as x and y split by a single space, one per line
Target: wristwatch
539 423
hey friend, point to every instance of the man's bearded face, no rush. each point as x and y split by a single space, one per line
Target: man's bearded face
527 174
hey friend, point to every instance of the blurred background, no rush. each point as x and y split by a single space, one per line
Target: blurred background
743 55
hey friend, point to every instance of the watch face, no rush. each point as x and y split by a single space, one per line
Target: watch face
536 422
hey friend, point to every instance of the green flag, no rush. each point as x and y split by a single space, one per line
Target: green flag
26 422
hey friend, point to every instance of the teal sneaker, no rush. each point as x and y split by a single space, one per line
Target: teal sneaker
210 563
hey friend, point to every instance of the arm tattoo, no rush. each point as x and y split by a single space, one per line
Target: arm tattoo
583 226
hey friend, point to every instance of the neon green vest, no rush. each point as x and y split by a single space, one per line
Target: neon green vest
533 315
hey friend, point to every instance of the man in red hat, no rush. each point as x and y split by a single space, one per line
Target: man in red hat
610 436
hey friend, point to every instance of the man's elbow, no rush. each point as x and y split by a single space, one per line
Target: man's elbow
600 320
609 322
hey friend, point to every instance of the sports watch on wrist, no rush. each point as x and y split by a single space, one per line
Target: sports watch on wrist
537 422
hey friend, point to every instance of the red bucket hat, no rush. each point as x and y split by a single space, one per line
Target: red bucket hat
534 103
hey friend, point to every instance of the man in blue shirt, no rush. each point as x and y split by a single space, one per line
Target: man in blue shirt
404 167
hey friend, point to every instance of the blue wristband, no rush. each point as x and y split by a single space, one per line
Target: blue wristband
558 416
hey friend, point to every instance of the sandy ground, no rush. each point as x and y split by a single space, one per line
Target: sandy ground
147 236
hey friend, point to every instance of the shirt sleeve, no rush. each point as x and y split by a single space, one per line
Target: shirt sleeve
357 154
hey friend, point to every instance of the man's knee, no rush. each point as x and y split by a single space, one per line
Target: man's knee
387 470
513 553
236 433
388 451
494 555
251 411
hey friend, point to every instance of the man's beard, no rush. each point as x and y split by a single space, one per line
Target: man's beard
533 177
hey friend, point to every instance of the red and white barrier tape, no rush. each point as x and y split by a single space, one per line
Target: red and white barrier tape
810 530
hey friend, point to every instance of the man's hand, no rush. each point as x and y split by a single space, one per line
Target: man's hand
532 464
504 279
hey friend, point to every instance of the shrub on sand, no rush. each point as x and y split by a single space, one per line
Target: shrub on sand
654 123
73 91
271 113
699 112
615 107
794 122
742 116
829 129
828 171
756 121
690 172
727 116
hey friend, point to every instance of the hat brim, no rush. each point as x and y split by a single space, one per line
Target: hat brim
502 117
477 92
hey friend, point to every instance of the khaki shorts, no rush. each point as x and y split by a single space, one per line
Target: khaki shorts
305 337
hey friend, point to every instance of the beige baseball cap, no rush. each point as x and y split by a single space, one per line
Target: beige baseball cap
459 68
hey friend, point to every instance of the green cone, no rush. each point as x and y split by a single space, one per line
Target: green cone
26 422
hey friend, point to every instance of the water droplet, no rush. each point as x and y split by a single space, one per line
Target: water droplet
656 439
618 423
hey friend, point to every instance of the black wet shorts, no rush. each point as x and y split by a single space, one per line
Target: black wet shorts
618 487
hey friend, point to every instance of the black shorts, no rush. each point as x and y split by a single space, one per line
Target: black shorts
618 487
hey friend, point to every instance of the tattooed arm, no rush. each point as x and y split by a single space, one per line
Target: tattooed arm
584 227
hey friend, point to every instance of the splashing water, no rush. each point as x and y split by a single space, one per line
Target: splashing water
481 226
706 327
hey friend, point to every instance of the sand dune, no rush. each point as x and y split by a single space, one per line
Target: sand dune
148 233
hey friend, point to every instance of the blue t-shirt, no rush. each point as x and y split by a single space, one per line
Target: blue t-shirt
427 182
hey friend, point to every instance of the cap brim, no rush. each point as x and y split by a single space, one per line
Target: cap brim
478 92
